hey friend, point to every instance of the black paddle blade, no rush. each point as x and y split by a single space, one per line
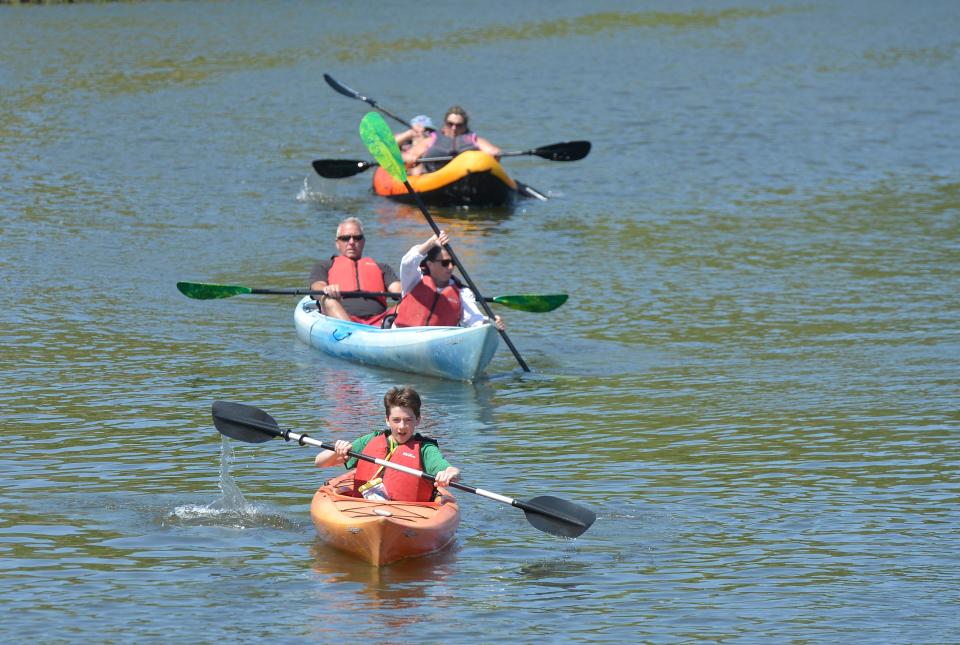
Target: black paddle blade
568 151
558 516
244 422
340 168
528 191
342 89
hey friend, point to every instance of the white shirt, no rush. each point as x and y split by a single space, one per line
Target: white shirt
470 313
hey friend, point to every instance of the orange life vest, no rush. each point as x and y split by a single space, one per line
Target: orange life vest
425 306
357 275
400 486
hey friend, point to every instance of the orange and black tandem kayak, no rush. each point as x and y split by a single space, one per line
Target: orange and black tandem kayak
472 178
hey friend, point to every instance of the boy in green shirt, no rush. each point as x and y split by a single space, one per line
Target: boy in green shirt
402 414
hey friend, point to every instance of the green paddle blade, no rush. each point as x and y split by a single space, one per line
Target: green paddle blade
378 138
534 303
204 291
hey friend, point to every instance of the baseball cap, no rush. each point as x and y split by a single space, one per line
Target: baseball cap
422 119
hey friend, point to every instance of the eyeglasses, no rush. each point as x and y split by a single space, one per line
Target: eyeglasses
460 124
347 238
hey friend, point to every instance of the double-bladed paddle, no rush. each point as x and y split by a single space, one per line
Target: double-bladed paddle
376 135
354 94
537 303
340 168
546 513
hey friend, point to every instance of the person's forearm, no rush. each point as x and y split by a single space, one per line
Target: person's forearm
410 269
471 314
327 458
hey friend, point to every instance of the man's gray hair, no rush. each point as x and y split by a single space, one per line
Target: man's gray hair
350 220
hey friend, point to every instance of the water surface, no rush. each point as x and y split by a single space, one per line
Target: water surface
754 382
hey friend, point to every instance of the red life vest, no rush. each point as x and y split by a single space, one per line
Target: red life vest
357 275
425 306
400 486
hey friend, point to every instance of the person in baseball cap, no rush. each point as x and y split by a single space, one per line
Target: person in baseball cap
421 127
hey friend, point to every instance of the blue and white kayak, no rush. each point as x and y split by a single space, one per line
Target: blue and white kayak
458 353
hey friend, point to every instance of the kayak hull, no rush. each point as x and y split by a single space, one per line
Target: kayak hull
472 178
382 532
456 353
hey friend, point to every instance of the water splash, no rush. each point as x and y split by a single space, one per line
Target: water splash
232 499
309 193
231 509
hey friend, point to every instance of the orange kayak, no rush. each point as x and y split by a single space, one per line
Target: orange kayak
382 532
472 178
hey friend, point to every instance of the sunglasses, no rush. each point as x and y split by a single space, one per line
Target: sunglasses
455 125
347 238
446 263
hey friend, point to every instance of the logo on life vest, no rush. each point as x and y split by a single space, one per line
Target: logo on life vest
408 454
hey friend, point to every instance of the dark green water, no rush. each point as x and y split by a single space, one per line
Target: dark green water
754 382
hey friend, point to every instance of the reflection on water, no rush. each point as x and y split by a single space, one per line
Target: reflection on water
387 583
351 399
559 572
390 595
461 220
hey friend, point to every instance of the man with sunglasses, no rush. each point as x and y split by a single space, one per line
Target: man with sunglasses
455 137
431 295
350 271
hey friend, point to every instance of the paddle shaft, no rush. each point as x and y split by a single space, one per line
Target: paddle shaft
565 151
466 276
320 292
450 157
351 93
343 294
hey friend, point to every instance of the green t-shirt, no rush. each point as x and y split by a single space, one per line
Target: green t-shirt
433 461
